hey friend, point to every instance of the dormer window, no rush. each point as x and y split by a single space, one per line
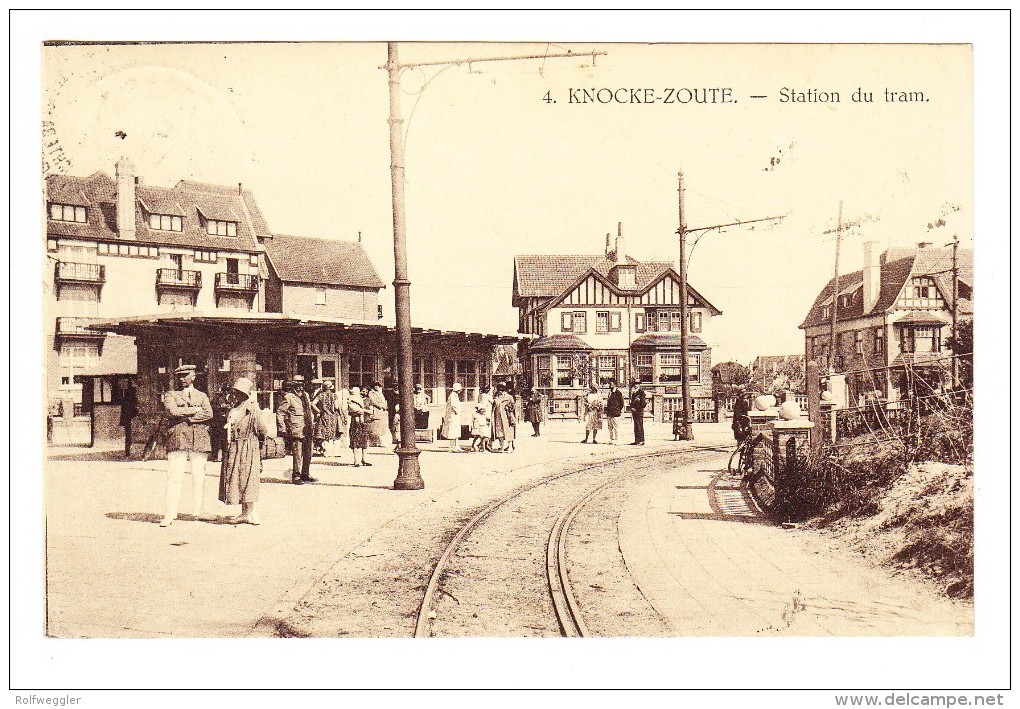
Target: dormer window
165 222
924 288
67 213
845 300
826 311
216 227
626 276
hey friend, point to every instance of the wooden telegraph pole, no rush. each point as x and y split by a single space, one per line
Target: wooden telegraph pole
835 291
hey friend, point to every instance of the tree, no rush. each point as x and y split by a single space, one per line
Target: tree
962 346
728 378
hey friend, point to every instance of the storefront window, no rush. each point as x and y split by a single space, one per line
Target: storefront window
362 370
543 366
270 372
464 371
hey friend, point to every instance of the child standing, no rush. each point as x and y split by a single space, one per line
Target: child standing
481 422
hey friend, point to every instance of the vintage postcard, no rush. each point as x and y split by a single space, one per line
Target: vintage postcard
510 340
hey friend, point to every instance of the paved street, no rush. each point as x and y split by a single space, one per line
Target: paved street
113 572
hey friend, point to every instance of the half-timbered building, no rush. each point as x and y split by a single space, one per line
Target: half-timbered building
608 317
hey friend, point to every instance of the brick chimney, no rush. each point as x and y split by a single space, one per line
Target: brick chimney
620 254
125 199
872 271
609 244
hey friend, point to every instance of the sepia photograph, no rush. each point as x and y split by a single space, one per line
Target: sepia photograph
666 347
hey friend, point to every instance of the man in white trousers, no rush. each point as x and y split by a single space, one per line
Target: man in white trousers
187 440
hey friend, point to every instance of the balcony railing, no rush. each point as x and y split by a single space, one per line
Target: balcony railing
68 272
172 278
76 327
237 282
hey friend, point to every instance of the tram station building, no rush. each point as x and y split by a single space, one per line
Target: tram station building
269 348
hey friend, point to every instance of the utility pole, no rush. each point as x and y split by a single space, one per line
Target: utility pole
408 468
682 231
835 291
685 384
956 296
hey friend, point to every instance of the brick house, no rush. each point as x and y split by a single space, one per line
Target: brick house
893 319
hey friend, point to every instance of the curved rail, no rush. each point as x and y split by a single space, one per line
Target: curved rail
563 523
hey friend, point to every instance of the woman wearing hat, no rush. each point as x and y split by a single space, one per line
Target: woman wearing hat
242 464
359 431
451 419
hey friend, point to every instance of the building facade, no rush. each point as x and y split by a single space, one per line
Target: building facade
893 320
321 277
117 247
608 317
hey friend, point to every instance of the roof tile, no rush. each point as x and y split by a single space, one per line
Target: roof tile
298 259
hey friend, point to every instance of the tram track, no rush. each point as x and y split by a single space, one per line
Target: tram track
565 608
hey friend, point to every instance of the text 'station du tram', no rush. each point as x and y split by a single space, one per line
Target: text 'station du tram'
723 95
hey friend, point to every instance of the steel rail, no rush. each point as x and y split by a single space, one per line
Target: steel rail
422 623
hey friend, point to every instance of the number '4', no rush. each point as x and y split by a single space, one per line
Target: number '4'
548 97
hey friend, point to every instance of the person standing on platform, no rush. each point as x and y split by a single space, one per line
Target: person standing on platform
327 417
421 408
481 421
242 460
297 424
638 401
451 419
614 410
536 414
504 419
359 431
593 407
128 412
378 416
187 440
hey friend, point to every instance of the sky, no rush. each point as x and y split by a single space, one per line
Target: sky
493 169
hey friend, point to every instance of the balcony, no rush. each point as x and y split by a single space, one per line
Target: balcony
171 278
243 283
76 328
68 272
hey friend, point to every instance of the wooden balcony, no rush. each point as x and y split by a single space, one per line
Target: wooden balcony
171 278
75 328
242 283
69 272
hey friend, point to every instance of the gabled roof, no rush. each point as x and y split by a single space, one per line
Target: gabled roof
555 276
549 276
194 202
897 266
299 259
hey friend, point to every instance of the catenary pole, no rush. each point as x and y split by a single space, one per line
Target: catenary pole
685 385
408 469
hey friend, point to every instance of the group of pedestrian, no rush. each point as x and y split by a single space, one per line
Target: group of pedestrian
188 442
492 420
610 409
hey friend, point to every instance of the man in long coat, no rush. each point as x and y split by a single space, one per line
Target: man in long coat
638 401
187 441
298 426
